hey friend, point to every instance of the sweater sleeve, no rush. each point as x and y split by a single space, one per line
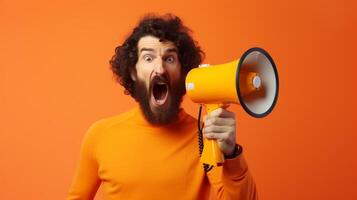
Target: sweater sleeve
86 181
232 181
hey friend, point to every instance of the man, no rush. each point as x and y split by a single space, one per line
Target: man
152 151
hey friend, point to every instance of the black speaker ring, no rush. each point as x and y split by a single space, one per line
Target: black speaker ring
245 107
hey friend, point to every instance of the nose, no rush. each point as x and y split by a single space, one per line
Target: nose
159 67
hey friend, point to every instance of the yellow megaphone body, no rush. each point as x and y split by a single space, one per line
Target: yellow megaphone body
251 81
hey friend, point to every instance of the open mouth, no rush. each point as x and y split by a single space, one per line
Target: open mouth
159 93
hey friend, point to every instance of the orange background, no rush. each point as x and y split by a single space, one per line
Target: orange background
55 81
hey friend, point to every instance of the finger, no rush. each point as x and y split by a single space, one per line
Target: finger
220 112
218 121
217 136
217 129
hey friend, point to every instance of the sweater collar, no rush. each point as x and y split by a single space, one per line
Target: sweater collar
138 117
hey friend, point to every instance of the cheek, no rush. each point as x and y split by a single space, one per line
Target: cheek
143 74
175 73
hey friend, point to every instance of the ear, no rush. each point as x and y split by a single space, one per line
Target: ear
133 74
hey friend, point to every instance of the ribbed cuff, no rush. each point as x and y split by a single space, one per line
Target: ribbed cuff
234 168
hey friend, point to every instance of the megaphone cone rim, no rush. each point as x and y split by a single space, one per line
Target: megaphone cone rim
241 100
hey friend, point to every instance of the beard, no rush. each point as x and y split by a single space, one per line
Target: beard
164 114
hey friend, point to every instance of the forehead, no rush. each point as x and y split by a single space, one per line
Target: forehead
151 42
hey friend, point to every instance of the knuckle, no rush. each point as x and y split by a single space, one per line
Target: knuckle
208 121
233 122
207 129
230 129
225 137
214 120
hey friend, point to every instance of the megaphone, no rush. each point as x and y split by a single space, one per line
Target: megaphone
251 81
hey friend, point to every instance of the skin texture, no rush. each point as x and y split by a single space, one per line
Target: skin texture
158 62
157 57
221 125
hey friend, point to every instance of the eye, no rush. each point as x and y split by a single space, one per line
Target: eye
148 58
170 59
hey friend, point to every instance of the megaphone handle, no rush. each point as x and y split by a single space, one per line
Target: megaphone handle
212 107
211 153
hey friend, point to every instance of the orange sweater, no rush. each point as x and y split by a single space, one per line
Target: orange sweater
133 159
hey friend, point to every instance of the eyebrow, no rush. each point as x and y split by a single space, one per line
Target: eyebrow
146 49
171 50
152 50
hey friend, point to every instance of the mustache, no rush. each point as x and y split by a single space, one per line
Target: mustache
160 78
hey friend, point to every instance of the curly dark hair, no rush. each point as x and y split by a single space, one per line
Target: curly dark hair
167 28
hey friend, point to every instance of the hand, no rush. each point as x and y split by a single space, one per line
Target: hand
221 125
